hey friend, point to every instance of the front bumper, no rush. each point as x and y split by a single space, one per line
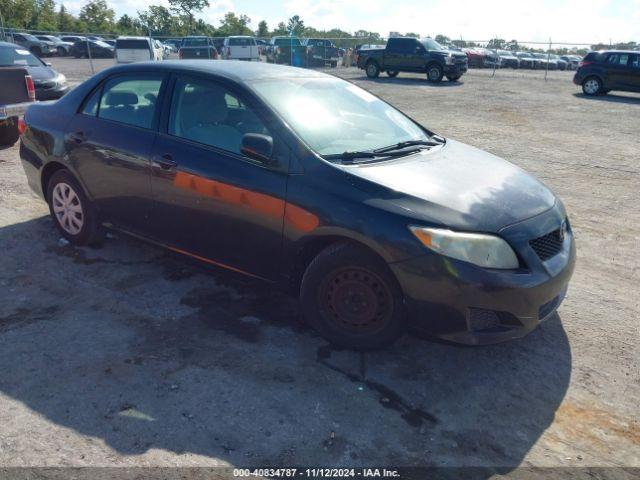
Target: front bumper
463 303
455 69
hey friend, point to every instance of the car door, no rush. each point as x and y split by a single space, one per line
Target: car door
109 144
616 70
394 54
210 201
633 72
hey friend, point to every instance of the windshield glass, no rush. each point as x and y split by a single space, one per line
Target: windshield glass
195 42
101 44
333 116
16 57
293 41
431 44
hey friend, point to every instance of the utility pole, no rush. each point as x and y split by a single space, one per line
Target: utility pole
548 60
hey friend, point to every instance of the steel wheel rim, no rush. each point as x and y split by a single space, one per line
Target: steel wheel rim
372 70
434 73
591 86
356 300
67 208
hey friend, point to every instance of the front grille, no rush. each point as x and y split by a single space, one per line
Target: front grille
548 245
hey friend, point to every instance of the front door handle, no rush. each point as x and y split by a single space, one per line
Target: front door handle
166 162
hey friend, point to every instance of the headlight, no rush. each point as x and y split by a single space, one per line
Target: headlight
61 80
480 249
448 59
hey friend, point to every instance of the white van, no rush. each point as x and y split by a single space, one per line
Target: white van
240 48
136 49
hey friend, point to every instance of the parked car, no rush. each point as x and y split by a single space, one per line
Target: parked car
508 59
526 60
310 182
320 52
170 47
475 57
137 49
286 50
239 47
262 45
48 84
16 94
62 47
97 49
560 63
543 61
601 72
572 61
407 54
200 48
37 47
110 42
72 39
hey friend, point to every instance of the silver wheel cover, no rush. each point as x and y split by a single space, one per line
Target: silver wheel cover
67 208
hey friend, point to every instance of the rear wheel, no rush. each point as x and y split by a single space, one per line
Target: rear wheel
71 210
591 86
434 73
351 298
392 74
9 133
372 69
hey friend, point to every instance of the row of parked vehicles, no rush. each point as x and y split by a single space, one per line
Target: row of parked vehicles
486 58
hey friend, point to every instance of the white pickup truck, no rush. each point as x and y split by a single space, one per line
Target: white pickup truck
138 49
240 48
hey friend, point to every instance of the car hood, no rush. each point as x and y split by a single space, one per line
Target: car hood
456 185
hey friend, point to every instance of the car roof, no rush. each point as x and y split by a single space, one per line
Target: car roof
124 37
637 52
237 71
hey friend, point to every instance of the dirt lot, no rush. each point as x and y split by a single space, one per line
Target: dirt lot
129 355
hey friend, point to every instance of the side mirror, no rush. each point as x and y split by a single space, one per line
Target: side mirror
48 64
257 147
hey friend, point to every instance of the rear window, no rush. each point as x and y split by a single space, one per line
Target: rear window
241 42
195 42
132 44
294 42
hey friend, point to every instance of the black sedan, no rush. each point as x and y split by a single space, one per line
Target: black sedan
48 83
313 184
95 48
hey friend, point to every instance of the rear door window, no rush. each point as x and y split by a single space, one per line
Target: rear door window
131 100
618 59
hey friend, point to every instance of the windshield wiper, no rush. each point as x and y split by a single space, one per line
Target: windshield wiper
408 143
367 155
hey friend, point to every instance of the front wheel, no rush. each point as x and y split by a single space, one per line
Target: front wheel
9 132
372 70
453 78
434 73
591 86
392 74
61 52
351 298
71 210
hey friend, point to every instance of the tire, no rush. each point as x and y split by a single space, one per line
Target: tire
9 133
372 69
453 78
434 73
392 74
72 212
61 52
352 299
591 86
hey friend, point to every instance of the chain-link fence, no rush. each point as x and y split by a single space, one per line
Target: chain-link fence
497 57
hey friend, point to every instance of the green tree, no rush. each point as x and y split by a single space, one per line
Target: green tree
411 34
66 22
496 43
231 24
281 29
187 8
263 29
295 26
158 19
97 16
44 15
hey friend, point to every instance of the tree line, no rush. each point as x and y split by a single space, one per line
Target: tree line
179 19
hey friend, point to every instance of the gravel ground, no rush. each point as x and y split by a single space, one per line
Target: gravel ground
128 355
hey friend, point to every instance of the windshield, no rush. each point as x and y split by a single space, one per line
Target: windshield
195 42
16 57
102 44
430 44
293 41
333 116
505 53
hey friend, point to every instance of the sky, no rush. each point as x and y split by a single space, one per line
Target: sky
576 21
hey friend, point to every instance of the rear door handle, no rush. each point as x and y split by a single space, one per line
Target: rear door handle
166 162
